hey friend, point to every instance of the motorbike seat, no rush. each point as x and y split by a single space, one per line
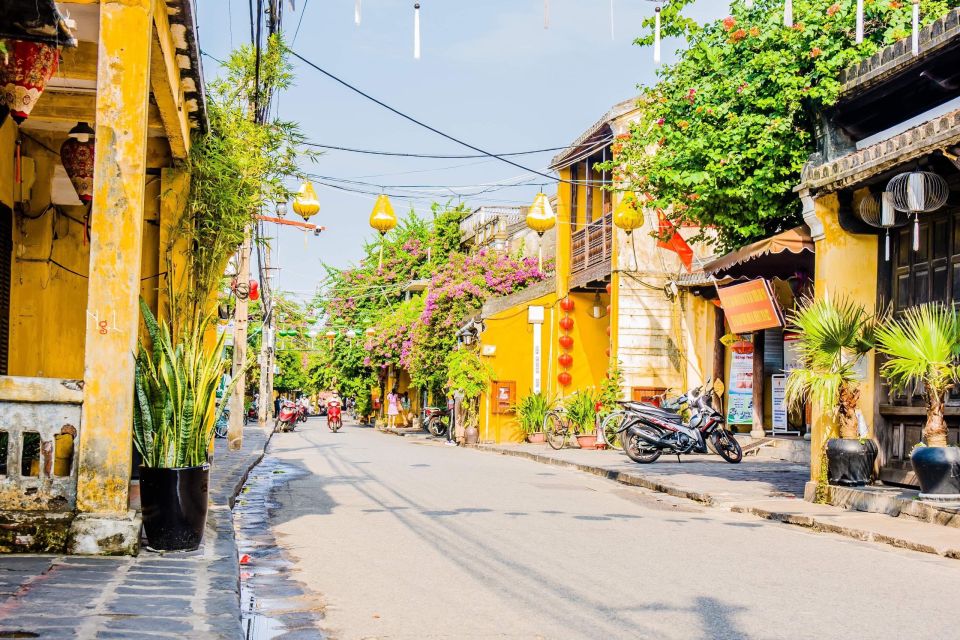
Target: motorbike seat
655 412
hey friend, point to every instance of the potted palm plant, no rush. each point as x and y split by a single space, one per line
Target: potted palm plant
922 348
835 333
582 412
531 412
174 416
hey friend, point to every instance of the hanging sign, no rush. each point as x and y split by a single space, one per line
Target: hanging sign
740 406
750 306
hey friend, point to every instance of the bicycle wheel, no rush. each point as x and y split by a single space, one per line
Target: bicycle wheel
556 430
611 428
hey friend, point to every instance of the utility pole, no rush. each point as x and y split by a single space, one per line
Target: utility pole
266 343
235 429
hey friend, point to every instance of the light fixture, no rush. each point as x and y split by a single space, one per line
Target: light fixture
370 332
81 131
306 204
382 219
541 218
330 335
76 155
628 215
351 334
25 70
281 209
598 308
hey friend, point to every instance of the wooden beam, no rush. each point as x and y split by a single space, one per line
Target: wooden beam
165 82
78 63
74 106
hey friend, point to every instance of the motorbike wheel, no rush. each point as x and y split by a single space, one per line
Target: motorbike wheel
556 430
437 427
610 427
727 446
636 449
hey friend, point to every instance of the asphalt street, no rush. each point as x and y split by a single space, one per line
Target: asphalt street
402 539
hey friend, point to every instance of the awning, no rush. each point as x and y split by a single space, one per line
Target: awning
36 21
779 256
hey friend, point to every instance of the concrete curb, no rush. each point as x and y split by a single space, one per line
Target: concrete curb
806 520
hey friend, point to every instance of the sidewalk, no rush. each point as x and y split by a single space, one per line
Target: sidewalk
183 595
767 488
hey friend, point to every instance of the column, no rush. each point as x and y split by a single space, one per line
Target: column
105 447
756 430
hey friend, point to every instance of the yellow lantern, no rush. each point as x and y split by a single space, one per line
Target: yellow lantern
383 219
330 335
306 204
370 332
541 218
629 214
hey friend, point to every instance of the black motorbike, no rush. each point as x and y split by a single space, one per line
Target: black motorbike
436 421
648 431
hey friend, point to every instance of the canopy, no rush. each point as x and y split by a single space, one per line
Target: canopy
35 20
779 256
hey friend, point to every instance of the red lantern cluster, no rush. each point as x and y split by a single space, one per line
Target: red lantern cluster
565 360
24 74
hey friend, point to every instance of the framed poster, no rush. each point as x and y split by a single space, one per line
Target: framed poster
504 396
740 407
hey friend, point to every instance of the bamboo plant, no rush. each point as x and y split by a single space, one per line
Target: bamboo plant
531 412
175 386
582 410
922 347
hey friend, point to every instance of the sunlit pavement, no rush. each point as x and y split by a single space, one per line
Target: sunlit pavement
399 539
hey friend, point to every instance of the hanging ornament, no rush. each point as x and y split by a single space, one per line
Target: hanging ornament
330 335
541 218
565 379
76 154
566 342
253 287
566 323
915 38
24 73
859 37
565 360
306 204
383 219
351 334
356 13
788 13
656 36
612 34
370 332
628 215
918 192
546 14
567 304
416 31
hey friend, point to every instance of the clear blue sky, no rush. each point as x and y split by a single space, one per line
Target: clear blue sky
489 74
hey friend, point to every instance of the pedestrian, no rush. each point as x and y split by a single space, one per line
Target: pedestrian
276 406
393 408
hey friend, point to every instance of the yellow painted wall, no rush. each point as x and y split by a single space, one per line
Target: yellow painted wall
845 265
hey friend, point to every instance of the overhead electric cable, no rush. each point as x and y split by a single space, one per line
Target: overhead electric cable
431 156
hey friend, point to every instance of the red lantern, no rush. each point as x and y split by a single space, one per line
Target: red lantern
22 79
254 290
608 353
566 323
77 159
566 342
565 360
608 329
608 288
567 304
565 379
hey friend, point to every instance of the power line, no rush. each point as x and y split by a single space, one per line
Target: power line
432 156
420 123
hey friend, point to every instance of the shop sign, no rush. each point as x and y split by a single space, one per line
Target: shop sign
750 306
740 404
778 392
791 352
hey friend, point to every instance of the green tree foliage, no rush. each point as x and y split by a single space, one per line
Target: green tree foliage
293 374
725 131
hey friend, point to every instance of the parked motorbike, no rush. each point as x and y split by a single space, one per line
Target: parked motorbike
334 419
649 431
287 418
436 421
302 413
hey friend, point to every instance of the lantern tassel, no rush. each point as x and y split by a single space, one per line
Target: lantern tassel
656 36
380 267
916 27
788 13
916 232
546 14
859 21
356 13
416 31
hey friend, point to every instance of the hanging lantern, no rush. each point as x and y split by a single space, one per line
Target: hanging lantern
918 192
567 304
76 154
788 13
915 35
608 288
383 219
356 13
565 379
416 31
656 36
566 323
628 215
541 218
565 360
351 334
546 14
598 308
330 335
859 36
253 290
370 332
306 204
566 342
24 75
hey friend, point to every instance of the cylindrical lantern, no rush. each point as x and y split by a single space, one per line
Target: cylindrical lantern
566 323
254 290
24 75
306 204
628 215
77 158
566 342
565 360
567 304
565 379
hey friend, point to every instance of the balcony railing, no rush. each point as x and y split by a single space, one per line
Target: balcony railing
591 247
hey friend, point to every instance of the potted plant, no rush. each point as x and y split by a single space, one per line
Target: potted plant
173 422
922 348
582 412
469 377
835 333
531 412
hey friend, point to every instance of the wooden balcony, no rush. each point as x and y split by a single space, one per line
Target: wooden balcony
591 252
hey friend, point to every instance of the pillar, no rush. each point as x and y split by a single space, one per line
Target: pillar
756 428
104 523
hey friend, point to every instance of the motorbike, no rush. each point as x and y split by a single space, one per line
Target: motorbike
436 421
334 419
302 413
287 418
650 431
223 424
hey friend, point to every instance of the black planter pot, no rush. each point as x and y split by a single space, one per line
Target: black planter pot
174 503
938 470
850 462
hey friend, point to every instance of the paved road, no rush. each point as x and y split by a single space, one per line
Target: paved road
404 540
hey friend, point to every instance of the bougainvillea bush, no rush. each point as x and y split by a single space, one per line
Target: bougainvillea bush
725 131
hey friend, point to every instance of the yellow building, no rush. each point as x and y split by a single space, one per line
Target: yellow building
71 271
625 313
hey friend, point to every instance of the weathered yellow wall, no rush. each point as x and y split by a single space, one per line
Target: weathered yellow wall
846 264
698 332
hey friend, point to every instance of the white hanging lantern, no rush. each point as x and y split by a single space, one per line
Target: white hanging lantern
788 13
416 31
656 36
546 14
859 21
916 28
748 4
356 12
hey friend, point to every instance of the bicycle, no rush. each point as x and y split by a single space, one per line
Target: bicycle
557 428
611 428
